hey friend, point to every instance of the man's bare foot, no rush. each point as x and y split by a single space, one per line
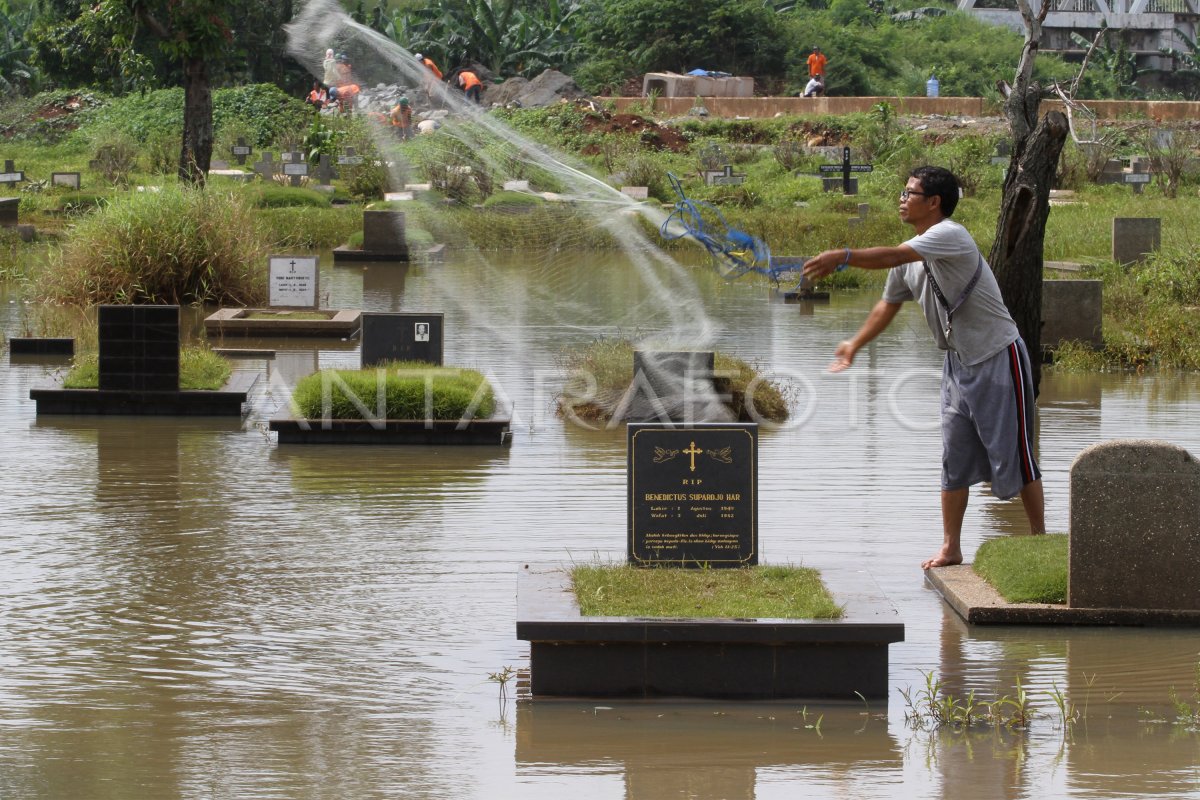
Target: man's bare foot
945 558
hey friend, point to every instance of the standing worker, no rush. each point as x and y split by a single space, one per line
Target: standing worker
816 64
402 118
430 77
470 84
987 390
330 71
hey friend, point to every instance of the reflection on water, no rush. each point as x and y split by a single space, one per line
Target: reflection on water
190 610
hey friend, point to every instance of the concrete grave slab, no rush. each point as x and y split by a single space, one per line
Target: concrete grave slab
1133 238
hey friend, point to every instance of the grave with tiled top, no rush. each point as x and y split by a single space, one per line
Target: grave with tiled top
293 306
139 372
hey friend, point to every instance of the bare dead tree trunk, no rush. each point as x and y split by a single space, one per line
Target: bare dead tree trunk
196 153
1016 255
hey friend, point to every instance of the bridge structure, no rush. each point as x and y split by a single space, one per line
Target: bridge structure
1146 26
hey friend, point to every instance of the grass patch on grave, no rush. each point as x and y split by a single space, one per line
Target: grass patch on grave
267 195
609 362
1025 569
400 388
308 227
199 369
763 592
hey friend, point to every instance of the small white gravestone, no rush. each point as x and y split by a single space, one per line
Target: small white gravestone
636 192
516 186
293 281
68 179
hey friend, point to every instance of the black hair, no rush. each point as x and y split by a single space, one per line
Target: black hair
940 182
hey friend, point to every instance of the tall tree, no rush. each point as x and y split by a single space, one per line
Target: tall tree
1016 255
191 32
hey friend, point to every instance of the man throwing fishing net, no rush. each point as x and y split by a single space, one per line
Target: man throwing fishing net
987 389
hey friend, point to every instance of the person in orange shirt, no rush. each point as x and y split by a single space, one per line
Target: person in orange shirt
402 118
816 63
470 84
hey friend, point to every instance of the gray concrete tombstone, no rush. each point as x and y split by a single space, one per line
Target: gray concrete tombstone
1135 527
1072 310
68 179
266 168
636 192
1133 238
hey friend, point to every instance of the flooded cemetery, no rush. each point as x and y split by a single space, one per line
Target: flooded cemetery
316 537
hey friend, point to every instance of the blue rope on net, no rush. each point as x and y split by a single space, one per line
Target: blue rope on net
734 252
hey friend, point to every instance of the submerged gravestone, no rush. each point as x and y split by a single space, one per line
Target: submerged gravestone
139 348
1133 238
1135 527
1072 310
693 495
402 337
669 386
383 232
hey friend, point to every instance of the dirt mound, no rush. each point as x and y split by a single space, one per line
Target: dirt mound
649 132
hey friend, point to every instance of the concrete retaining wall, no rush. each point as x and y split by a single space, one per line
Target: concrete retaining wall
728 107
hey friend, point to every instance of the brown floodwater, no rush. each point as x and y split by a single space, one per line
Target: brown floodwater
189 610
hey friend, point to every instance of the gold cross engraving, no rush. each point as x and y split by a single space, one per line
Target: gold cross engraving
693 451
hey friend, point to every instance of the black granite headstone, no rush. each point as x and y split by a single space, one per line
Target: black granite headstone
693 495
139 348
401 337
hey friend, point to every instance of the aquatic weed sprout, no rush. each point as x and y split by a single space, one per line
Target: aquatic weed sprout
473 155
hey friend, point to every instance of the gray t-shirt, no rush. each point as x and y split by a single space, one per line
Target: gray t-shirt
982 325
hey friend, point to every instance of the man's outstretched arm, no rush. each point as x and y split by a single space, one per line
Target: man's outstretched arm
877 321
864 257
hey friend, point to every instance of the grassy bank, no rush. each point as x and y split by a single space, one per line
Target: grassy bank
1025 569
747 593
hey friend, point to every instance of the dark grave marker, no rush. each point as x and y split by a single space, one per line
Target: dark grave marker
693 495
295 167
293 281
241 150
11 176
68 179
325 171
723 177
402 337
8 211
265 168
668 385
848 186
139 348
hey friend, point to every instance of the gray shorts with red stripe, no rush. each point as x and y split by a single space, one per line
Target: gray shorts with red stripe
988 422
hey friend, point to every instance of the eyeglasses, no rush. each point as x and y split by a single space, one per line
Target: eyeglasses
907 193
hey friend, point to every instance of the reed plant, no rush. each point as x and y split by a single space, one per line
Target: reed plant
406 390
177 245
763 592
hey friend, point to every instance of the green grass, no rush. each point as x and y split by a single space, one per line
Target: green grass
199 368
1026 569
175 246
332 394
746 593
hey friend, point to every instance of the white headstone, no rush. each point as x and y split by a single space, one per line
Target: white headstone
636 192
516 186
293 281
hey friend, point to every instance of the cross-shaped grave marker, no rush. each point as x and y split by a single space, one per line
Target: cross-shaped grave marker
296 168
846 168
241 150
265 168
325 171
725 177
350 157
11 176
